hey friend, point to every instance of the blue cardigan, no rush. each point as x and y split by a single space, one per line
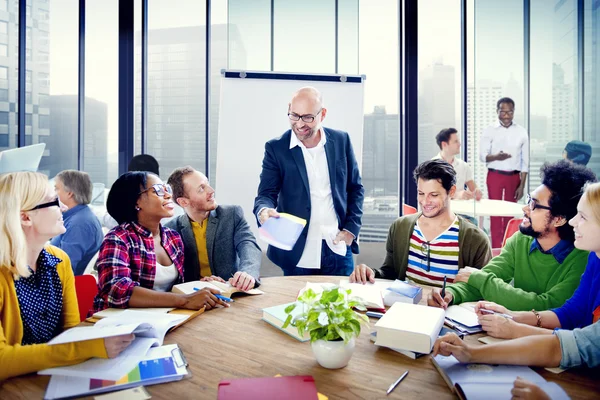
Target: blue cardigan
578 311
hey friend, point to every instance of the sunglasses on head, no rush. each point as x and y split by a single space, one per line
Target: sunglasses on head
160 189
52 203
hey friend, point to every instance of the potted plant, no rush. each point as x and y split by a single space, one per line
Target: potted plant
332 323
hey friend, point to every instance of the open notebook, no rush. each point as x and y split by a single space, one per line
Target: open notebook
226 288
490 382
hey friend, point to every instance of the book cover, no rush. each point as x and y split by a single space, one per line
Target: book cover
284 387
161 364
410 327
282 232
276 316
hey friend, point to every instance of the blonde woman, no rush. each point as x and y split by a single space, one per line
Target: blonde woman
37 290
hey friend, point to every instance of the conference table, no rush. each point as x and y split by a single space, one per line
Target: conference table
487 208
230 343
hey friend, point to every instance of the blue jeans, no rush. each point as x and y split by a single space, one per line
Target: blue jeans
331 264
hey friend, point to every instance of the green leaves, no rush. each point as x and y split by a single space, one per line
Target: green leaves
328 315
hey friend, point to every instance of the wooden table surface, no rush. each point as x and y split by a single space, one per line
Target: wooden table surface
235 343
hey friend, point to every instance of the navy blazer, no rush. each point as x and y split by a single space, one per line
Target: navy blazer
284 186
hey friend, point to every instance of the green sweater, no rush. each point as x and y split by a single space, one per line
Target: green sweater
540 282
474 247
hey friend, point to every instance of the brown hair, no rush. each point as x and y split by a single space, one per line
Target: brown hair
176 180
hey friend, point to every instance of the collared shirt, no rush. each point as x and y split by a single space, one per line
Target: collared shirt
127 259
464 172
580 346
560 251
199 229
41 300
83 237
512 140
323 219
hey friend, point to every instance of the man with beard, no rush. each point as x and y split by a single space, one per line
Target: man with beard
218 243
311 172
432 244
541 260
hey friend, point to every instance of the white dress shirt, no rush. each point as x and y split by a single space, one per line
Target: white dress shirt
464 172
323 222
512 140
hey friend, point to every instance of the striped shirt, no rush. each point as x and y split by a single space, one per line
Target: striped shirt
429 262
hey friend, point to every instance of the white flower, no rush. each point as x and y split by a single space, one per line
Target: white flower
323 320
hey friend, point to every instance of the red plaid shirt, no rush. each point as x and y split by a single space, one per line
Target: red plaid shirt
127 259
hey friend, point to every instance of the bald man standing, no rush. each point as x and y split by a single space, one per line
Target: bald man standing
311 172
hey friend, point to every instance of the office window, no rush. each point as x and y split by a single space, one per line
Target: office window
28 119
101 140
56 83
348 23
3 50
3 28
249 29
3 5
493 76
178 33
553 87
304 36
3 95
3 118
439 72
3 73
591 99
218 62
3 140
378 34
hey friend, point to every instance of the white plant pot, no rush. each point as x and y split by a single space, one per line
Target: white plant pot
333 355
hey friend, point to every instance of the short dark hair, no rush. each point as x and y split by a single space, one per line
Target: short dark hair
444 136
566 181
176 180
144 162
506 100
440 170
123 196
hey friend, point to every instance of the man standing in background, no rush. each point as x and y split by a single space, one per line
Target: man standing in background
504 147
449 144
311 172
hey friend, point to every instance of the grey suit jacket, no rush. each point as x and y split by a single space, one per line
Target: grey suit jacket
230 244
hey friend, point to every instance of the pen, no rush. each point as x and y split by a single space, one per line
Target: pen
393 385
218 296
443 293
221 297
486 311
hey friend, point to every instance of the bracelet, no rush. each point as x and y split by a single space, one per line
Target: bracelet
539 318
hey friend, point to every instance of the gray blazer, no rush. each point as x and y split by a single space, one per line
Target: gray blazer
230 244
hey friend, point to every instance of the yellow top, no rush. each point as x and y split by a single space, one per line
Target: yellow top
17 359
200 236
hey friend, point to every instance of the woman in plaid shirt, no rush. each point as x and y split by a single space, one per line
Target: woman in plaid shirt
140 260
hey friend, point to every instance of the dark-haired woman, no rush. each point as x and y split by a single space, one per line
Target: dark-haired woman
140 260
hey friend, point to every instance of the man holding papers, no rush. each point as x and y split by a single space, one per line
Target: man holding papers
311 172
539 268
435 243
218 243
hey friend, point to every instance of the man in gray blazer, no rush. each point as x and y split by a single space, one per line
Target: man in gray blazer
217 239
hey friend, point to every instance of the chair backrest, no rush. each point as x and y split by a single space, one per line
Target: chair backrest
86 288
511 228
407 210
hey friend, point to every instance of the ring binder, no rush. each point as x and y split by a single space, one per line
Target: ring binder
179 358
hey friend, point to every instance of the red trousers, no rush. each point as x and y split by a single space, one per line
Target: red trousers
501 187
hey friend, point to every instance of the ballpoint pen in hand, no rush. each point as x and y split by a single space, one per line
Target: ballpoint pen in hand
443 293
393 385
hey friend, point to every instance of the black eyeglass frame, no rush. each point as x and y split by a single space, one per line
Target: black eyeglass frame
158 188
55 202
532 203
311 118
